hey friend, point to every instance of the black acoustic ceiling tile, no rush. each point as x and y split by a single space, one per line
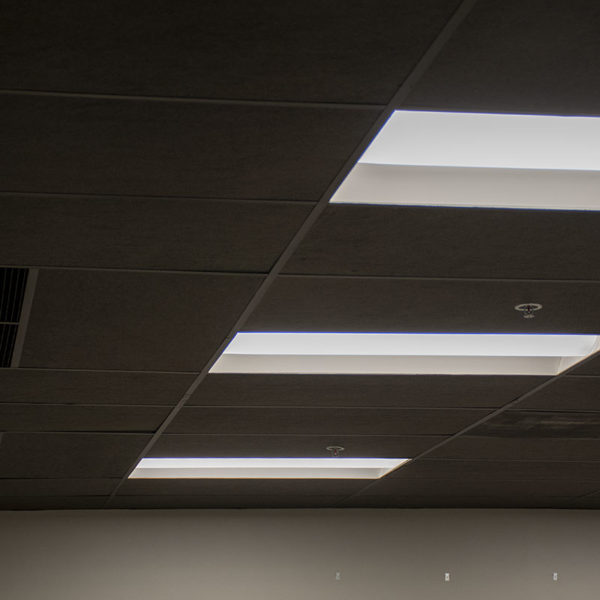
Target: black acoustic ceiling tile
528 449
467 501
590 367
257 501
541 424
52 417
591 501
514 56
224 445
68 455
486 470
400 391
462 487
85 146
567 394
52 502
402 305
132 321
322 421
92 387
430 241
240 487
147 233
57 487
228 49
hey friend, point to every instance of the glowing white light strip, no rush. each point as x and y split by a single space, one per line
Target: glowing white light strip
265 468
403 353
451 139
424 158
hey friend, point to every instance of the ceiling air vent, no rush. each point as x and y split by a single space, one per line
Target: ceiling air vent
12 292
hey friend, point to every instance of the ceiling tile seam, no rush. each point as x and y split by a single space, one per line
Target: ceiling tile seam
199 199
67 370
287 275
129 270
495 413
399 96
195 100
28 297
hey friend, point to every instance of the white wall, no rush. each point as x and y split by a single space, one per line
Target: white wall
294 554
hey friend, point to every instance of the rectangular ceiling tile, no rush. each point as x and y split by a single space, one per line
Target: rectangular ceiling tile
57 487
68 455
492 470
125 147
228 501
507 448
230 49
363 304
514 56
425 241
322 421
399 391
39 386
541 424
567 394
147 233
281 445
132 321
52 417
467 501
52 502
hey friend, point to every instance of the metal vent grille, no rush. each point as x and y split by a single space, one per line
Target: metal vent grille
12 291
8 334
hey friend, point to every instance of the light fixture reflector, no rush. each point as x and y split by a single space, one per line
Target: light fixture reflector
403 353
479 160
265 468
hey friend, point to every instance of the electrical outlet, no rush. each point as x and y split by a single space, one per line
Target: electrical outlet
555 576
446 576
338 575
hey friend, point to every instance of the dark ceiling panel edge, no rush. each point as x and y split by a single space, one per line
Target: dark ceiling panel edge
397 99
28 296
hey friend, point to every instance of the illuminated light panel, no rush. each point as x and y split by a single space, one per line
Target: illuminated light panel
265 468
479 160
404 353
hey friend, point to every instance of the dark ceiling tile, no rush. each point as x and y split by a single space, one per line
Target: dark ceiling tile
229 49
51 502
52 417
224 445
147 233
92 146
398 305
515 56
503 448
486 470
499 489
592 501
228 501
567 394
132 321
409 241
92 387
68 455
541 424
590 367
322 421
400 391
441 501
240 487
57 487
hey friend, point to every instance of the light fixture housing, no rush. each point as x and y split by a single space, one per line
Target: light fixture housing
265 468
479 160
403 353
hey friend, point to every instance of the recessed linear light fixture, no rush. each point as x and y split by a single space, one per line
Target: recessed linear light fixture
479 160
265 468
404 353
